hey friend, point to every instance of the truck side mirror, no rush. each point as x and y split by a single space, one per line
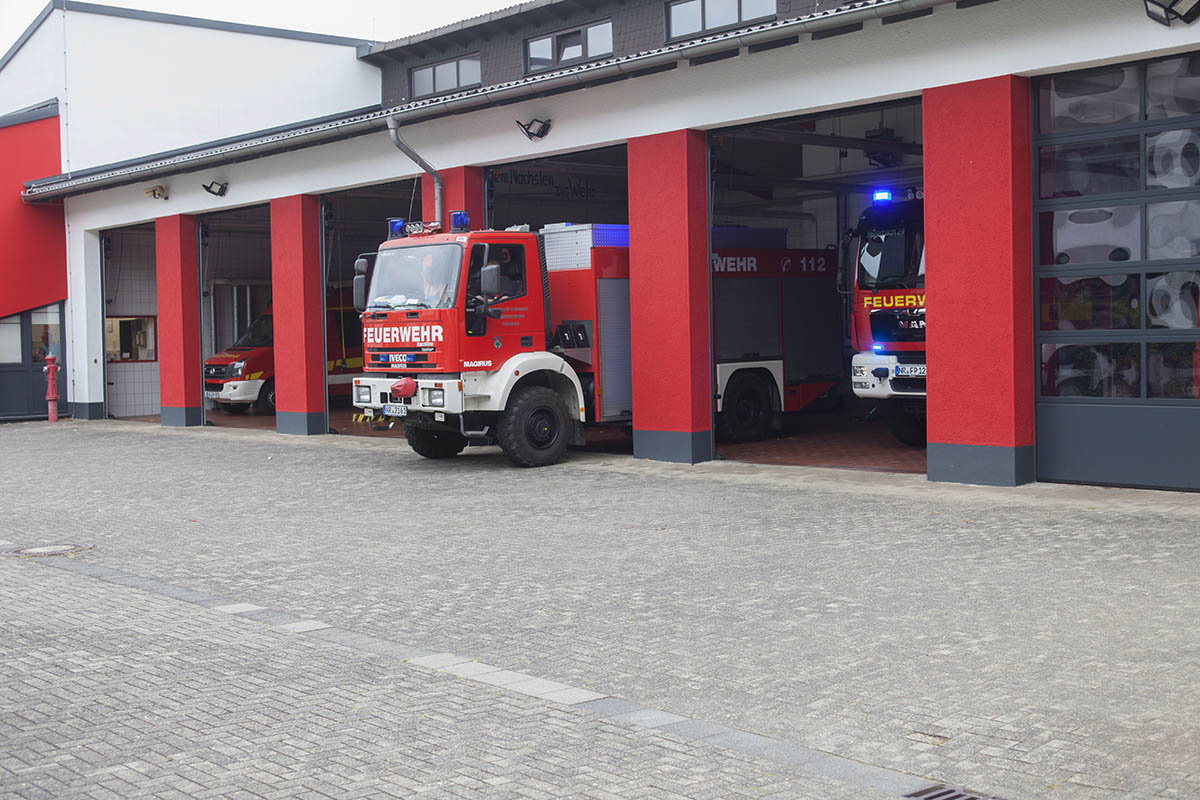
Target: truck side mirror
489 280
847 264
360 290
360 266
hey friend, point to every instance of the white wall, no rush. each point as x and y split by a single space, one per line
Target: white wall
139 87
130 290
880 63
36 71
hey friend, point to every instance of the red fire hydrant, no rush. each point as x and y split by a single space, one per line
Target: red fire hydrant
51 370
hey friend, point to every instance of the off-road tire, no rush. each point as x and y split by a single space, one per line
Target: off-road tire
434 444
266 397
906 426
534 430
745 410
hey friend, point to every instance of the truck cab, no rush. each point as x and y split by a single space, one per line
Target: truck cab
888 317
458 344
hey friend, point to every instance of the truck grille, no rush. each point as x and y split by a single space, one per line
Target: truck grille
908 385
218 371
898 325
213 387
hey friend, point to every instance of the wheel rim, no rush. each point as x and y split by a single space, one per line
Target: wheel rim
747 409
542 428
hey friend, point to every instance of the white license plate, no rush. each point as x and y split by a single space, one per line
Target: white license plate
395 410
212 395
910 370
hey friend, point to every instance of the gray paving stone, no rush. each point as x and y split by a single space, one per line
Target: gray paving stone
611 707
1006 640
237 608
648 718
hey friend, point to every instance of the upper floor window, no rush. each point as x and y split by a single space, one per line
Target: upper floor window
686 17
458 73
578 44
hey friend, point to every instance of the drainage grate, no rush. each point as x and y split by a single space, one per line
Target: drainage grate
943 792
47 550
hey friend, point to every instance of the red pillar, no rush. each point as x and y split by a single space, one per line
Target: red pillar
669 297
180 367
978 230
298 308
462 190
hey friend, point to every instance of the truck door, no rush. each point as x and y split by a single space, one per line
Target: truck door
496 340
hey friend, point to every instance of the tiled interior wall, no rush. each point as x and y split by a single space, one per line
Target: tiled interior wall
130 289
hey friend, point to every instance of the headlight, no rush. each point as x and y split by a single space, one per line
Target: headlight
362 394
236 368
437 398
860 371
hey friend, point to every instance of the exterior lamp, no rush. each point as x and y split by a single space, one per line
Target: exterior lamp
1166 11
538 128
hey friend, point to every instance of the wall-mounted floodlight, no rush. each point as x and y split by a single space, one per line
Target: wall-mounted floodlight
158 192
218 189
538 128
1167 11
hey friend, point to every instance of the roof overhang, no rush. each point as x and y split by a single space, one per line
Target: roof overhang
758 37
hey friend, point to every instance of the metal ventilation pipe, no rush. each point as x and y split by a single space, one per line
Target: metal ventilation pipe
402 146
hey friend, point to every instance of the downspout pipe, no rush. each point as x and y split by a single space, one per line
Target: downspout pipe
402 146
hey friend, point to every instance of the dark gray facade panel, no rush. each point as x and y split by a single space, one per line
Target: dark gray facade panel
299 423
87 410
637 27
674 446
1126 445
182 417
981 465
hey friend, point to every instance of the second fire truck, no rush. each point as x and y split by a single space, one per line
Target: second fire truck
887 324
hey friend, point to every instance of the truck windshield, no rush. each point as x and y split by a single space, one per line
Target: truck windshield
417 276
891 258
261 333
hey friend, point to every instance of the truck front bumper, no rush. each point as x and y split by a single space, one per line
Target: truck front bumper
236 392
874 377
374 394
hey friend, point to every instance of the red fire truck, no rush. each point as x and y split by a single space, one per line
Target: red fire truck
888 321
520 340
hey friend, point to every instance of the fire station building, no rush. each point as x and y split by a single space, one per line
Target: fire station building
166 179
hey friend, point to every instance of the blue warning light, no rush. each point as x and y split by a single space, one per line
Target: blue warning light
395 227
883 195
877 348
460 222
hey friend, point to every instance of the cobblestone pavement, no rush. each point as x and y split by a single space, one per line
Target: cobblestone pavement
1039 642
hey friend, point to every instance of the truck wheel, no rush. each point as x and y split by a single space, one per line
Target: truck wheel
533 429
908 427
266 397
746 413
434 444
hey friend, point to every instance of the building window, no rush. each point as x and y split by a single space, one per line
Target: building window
567 47
448 76
687 17
130 339
1117 232
46 333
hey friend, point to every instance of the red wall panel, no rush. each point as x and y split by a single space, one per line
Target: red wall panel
180 367
462 190
668 286
298 301
33 260
978 231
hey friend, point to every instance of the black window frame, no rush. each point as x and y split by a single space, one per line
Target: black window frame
459 85
1143 197
553 36
705 29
